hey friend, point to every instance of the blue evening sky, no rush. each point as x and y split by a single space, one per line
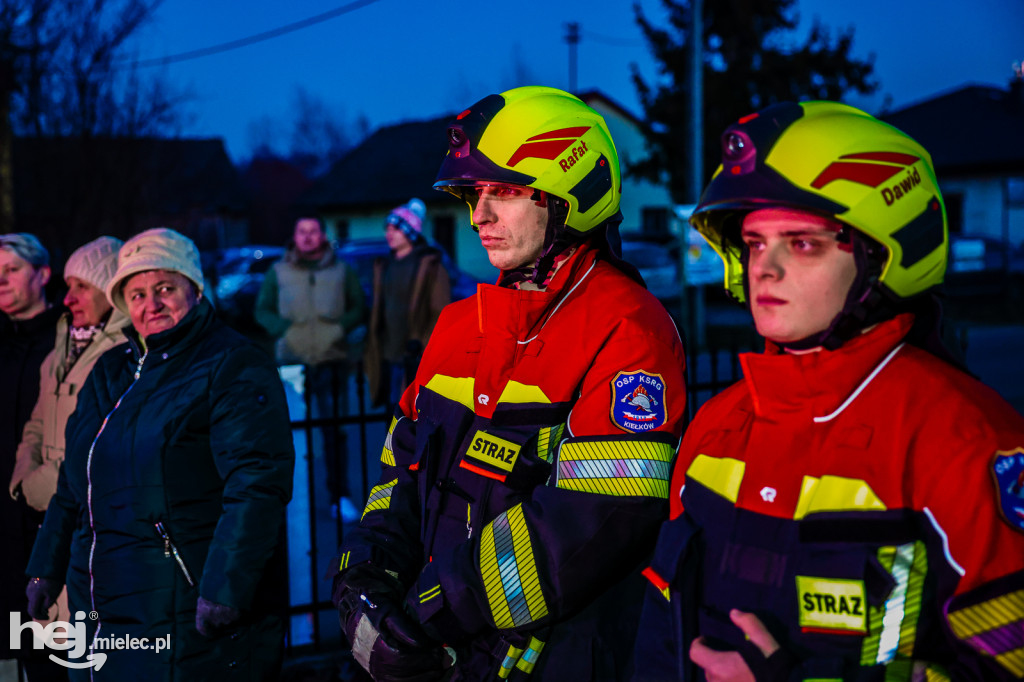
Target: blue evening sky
394 60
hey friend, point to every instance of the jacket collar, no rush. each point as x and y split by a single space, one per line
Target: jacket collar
292 257
172 341
823 382
520 313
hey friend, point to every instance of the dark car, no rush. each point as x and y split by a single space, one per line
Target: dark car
234 280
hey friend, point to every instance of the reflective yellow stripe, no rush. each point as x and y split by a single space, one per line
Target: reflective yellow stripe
994 613
548 439
720 474
380 498
343 564
430 594
892 627
1013 661
982 624
515 392
835 493
912 604
509 662
459 389
933 674
529 658
510 572
387 455
616 467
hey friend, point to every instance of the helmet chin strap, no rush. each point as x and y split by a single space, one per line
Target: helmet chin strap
865 303
557 240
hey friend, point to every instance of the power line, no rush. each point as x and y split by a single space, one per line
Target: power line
257 38
618 42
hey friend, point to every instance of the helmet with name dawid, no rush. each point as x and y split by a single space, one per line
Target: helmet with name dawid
536 137
838 161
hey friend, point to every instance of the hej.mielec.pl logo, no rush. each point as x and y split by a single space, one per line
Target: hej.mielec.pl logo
71 637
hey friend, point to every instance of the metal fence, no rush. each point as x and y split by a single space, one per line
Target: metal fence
314 534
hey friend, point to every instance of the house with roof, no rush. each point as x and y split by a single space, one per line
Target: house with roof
975 135
71 190
400 161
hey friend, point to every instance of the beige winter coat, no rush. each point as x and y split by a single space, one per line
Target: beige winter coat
41 450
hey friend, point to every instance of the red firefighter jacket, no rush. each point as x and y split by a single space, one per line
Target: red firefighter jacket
526 473
847 499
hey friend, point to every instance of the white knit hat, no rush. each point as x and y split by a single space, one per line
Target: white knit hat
157 249
94 262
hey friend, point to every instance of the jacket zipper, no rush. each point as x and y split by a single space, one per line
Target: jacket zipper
171 550
88 479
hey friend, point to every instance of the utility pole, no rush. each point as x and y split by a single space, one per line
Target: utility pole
691 317
572 37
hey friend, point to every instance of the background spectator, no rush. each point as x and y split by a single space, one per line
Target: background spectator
409 291
311 302
27 329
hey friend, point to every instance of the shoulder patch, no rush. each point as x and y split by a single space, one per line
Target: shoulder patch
1008 472
638 401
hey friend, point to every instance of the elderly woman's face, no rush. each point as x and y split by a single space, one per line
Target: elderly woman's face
158 299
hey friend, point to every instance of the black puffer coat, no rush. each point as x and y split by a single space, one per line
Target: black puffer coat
23 347
181 494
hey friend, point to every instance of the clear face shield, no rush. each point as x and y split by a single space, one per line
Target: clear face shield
475 192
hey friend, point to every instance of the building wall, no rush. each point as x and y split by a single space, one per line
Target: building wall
631 146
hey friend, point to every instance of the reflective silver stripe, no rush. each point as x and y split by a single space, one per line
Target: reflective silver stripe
895 605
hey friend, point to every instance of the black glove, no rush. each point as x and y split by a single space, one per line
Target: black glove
778 666
42 593
386 641
212 618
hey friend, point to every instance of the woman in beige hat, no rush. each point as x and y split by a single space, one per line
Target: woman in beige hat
170 503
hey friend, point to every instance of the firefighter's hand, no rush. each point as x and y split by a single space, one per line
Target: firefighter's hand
731 666
386 641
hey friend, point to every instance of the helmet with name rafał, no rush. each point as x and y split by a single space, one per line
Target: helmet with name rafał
536 137
837 161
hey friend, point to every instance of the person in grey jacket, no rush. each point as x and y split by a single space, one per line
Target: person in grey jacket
170 504
312 303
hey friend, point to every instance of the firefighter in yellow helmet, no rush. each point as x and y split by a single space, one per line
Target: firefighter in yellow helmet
526 469
843 512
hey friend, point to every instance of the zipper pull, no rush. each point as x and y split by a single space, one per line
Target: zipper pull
469 525
167 539
138 370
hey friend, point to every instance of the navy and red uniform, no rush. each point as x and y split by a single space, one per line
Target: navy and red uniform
526 474
846 498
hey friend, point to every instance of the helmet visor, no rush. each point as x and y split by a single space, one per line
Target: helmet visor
472 192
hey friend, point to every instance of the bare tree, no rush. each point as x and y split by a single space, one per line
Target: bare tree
317 136
67 75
